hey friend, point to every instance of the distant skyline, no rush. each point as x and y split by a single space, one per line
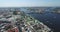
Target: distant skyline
29 3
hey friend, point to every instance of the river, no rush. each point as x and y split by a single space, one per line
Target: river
52 20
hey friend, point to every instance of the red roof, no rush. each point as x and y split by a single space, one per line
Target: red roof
13 30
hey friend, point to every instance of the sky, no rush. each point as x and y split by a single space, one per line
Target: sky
29 3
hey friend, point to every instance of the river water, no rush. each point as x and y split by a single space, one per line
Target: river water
50 19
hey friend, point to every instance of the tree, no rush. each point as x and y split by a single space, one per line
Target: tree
15 12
